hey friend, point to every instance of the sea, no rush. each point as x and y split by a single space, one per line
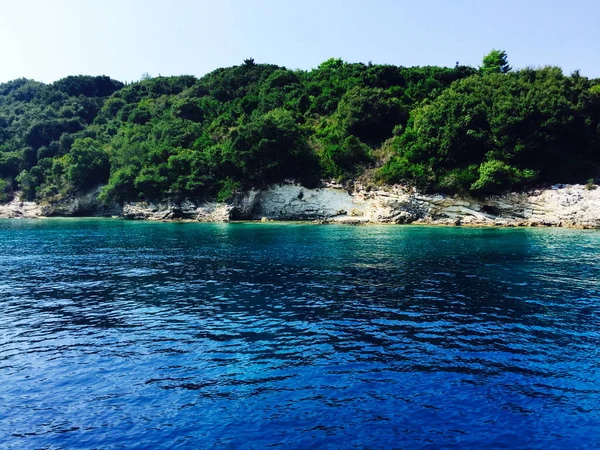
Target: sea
118 334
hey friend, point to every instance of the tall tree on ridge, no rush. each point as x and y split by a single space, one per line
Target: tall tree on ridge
495 61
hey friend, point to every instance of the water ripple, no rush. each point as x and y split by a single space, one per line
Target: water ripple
116 334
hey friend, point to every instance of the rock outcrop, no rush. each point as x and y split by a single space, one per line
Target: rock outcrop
17 209
570 206
184 211
291 202
567 206
84 204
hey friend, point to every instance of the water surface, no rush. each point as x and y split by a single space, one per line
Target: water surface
117 334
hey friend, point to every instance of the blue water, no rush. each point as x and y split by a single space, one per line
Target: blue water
118 334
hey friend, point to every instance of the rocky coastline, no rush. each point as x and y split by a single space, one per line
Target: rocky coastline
575 206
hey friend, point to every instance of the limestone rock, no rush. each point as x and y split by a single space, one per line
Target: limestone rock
18 209
566 206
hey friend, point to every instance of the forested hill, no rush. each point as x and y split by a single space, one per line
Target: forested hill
479 130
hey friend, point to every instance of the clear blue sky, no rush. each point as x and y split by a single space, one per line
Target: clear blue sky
49 39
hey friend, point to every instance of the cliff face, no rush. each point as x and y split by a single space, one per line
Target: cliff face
80 205
569 206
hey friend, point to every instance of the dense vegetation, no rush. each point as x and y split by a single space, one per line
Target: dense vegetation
461 129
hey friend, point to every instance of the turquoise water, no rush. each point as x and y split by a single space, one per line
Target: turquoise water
117 334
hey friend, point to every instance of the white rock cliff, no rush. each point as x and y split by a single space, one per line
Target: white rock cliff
567 206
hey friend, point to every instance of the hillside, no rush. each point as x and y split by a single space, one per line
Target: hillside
475 131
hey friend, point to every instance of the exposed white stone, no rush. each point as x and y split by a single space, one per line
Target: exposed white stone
292 202
18 209
573 206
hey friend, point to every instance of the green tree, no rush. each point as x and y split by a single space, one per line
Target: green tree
343 159
86 164
5 191
495 61
479 136
450 129
270 149
497 176
29 181
369 114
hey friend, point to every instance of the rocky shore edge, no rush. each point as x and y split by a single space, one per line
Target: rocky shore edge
575 206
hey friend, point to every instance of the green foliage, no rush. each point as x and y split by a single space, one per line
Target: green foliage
456 180
228 189
370 114
46 132
121 186
87 164
29 181
87 86
511 129
496 176
112 106
341 159
590 186
5 191
400 170
495 61
449 129
10 164
269 149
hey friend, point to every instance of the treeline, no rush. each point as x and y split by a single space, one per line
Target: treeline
479 130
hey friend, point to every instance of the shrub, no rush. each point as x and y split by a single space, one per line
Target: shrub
590 186
6 193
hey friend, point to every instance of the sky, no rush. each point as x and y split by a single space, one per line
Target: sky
49 39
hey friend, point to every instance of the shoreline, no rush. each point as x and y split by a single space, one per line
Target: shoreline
436 224
307 223
565 206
